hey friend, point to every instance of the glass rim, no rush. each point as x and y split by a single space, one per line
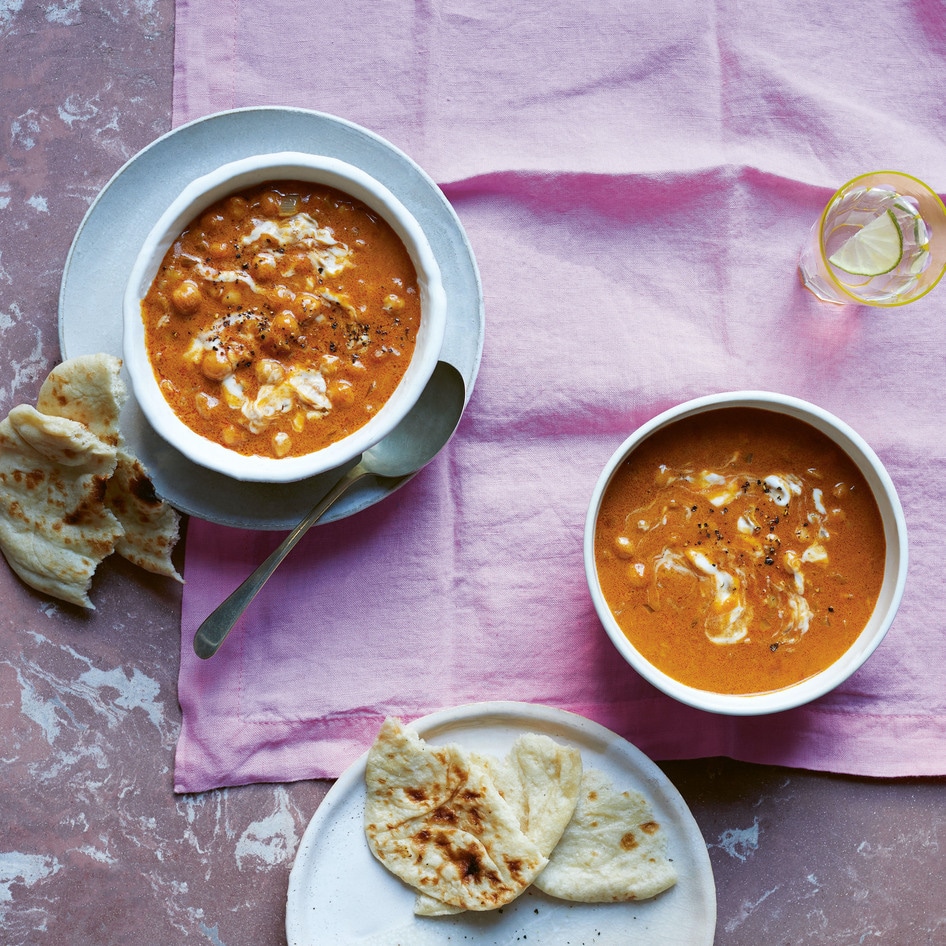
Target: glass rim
938 202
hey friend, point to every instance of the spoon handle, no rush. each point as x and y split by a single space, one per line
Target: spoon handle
212 632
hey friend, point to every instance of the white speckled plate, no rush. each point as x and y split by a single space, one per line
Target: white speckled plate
339 893
104 249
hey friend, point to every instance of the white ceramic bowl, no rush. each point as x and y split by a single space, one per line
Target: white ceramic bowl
895 564
192 201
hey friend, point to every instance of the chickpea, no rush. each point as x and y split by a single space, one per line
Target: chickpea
239 352
236 207
302 264
219 249
663 477
213 221
341 393
623 547
186 297
329 365
232 298
215 365
269 371
637 574
282 443
205 403
171 277
309 304
231 435
269 203
283 329
286 321
263 266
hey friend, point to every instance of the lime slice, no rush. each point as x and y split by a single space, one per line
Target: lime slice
873 250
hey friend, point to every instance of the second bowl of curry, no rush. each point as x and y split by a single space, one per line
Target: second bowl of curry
746 552
283 315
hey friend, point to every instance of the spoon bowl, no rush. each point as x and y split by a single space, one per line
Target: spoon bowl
416 440
424 431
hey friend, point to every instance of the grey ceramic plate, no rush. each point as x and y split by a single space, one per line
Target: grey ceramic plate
104 248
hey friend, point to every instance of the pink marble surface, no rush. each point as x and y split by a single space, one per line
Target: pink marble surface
95 848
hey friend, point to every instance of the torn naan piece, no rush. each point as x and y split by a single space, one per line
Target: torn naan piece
540 780
434 818
89 389
152 527
54 526
612 849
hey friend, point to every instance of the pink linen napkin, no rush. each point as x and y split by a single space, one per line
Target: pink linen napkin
636 184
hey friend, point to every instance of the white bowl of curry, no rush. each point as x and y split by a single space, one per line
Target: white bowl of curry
283 315
746 552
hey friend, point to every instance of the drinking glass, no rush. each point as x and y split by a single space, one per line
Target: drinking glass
900 258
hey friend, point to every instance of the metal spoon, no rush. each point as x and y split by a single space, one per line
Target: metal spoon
410 446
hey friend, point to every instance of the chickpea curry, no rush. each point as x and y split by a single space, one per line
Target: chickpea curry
740 550
282 319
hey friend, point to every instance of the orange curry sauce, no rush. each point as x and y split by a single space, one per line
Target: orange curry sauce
282 319
740 550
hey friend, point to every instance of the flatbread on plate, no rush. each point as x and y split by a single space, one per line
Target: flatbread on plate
540 779
434 818
613 849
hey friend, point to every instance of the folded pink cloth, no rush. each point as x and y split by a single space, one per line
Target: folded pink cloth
636 183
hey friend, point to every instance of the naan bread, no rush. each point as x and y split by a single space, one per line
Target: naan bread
612 849
54 526
89 389
435 819
539 779
152 527
70 493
